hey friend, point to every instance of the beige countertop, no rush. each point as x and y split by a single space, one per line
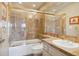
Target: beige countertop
73 51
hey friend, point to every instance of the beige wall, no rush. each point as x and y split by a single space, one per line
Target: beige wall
70 11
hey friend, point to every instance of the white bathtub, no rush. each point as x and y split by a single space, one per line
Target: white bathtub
25 47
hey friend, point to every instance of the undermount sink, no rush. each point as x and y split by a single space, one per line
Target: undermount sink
65 43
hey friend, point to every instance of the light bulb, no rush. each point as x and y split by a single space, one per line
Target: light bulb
34 5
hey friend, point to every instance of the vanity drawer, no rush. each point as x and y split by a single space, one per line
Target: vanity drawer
45 53
52 51
55 52
45 46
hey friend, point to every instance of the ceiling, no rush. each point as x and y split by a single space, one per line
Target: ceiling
55 6
27 5
42 6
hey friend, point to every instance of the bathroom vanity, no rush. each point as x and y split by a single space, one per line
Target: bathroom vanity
51 49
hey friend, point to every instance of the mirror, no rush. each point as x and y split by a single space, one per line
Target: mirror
58 24
65 22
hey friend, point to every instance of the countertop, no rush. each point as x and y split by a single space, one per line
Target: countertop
72 51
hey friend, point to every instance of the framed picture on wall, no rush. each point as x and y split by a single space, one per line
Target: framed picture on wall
74 20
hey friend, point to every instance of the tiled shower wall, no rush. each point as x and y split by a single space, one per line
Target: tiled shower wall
30 30
17 31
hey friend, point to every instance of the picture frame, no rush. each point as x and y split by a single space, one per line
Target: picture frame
74 20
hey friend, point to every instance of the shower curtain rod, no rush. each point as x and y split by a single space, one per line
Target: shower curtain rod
29 10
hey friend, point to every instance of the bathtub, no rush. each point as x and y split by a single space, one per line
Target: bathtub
25 47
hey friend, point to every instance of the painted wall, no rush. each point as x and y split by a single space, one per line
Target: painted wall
70 11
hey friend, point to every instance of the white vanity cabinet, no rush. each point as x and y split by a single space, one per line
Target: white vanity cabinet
49 50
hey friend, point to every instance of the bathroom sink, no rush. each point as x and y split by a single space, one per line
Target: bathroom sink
65 43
